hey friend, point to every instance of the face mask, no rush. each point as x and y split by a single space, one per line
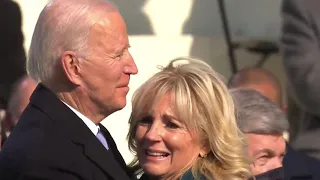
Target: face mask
274 174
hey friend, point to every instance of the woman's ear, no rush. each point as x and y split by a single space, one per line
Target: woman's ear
70 66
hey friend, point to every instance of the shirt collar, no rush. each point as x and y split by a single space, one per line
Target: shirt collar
93 127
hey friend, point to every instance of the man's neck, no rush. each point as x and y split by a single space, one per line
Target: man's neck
82 105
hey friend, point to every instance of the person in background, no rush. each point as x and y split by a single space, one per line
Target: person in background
19 98
300 41
260 80
79 55
182 125
18 101
263 81
13 58
263 122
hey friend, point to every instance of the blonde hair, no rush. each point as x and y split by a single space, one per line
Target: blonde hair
202 102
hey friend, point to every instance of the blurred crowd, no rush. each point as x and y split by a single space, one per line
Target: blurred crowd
185 123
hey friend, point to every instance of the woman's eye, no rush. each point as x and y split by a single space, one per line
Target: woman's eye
172 125
146 120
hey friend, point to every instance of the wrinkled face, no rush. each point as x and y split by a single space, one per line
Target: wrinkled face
164 145
106 72
266 151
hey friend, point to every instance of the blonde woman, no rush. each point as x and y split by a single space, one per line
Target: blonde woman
183 126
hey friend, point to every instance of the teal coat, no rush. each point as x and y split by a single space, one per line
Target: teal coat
186 176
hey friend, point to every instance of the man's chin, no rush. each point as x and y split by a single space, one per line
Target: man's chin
119 105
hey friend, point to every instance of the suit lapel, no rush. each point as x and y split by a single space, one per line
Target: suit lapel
113 146
104 159
77 131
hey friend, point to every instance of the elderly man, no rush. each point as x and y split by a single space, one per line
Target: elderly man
263 122
79 54
263 81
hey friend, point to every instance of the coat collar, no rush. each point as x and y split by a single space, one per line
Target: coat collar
295 165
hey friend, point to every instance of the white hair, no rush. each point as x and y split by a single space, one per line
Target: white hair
63 25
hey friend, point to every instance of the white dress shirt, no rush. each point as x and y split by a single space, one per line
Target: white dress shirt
93 127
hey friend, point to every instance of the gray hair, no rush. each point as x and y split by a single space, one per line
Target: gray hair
257 114
63 25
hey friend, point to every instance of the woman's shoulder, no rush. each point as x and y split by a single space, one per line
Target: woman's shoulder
186 176
189 176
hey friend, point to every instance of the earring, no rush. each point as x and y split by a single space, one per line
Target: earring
203 155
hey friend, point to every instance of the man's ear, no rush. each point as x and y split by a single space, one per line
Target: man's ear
70 66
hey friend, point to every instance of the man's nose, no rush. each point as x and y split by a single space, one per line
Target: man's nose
131 67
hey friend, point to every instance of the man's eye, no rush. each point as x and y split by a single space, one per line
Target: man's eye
119 56
262 160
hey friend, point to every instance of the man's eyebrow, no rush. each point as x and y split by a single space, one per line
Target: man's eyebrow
265 150
121 49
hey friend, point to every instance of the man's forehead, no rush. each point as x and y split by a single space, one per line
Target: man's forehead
264 137
109 30
265 143
112 25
